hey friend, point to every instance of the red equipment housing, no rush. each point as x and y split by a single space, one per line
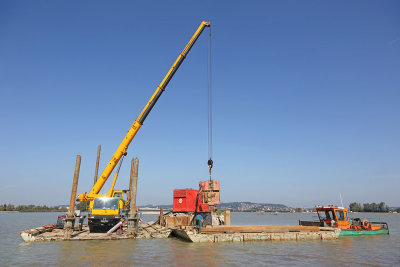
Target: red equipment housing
207 199
210 194
185 201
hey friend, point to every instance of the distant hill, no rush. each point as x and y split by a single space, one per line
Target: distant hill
168 207
250 206
236 206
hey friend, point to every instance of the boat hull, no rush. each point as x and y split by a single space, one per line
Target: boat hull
347 232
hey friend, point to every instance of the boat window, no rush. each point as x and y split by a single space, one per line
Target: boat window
326 215
321 215
340 215
329 215
105 203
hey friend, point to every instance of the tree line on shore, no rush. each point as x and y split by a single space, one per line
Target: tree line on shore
30 208
369 207
355 206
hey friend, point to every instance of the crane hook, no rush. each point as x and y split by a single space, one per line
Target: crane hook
210 165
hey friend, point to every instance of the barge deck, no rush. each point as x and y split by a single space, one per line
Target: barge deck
243 233
236 233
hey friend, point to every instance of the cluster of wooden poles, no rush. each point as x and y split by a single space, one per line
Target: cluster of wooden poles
133 215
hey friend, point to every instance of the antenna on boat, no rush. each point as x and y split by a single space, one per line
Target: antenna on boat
341 200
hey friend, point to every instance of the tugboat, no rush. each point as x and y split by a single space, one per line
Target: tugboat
338 217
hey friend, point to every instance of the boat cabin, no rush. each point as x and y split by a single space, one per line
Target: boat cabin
333 216
338 217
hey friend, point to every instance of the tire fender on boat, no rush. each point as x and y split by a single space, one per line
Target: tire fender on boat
365 224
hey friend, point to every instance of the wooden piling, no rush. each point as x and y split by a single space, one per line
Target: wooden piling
130 183
161 217
71 212
227 217
96 172
133 216
134 185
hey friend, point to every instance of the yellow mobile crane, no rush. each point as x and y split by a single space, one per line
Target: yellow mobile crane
106 211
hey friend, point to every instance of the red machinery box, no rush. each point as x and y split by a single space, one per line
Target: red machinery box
211 194
210 185
185 201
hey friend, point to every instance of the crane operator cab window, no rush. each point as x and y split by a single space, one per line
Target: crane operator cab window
118 195
107 203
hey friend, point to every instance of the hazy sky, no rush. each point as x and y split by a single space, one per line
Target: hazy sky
306 98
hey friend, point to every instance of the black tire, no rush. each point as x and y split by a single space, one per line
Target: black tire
93 228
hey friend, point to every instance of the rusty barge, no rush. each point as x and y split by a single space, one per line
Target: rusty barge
178 227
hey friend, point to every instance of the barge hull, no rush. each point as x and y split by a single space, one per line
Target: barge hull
324 233
363 232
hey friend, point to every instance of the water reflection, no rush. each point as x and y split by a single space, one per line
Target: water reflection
362 250
197 254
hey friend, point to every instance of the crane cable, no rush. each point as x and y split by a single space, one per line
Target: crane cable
209 85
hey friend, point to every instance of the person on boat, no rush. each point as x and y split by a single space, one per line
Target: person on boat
199 221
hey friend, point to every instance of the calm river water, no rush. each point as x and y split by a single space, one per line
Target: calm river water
348 251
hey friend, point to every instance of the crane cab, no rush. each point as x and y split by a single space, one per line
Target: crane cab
105 212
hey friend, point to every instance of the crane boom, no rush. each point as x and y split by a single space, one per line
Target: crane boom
123 147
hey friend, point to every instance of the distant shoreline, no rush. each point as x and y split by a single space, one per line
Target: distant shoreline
16 211
155 212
